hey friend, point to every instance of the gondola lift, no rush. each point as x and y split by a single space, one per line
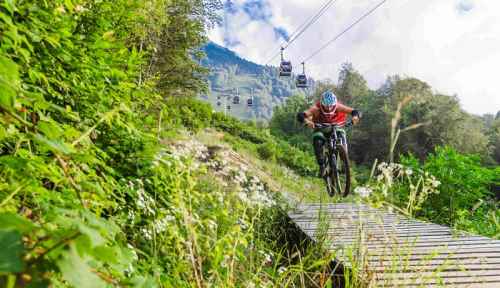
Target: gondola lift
236 96
301 80
250 100
236 99
285 66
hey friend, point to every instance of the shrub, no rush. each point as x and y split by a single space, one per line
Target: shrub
267 151
464 182
187 112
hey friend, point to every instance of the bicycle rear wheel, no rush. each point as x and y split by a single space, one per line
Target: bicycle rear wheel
342 172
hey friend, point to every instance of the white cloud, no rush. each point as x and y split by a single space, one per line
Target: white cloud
454 45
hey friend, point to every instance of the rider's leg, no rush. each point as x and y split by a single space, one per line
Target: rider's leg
343 135
319 141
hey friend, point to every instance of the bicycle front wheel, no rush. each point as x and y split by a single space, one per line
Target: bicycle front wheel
342 172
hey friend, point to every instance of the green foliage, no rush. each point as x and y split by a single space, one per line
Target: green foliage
464 182
448 188
10 257
464 199
237 128
284 124
187 112
494 135
267 151
79 120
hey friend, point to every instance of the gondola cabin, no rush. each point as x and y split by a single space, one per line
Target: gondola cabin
236 100
301 81
285 68
250 102
228 107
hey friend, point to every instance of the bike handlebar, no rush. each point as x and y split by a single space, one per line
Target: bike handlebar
326 125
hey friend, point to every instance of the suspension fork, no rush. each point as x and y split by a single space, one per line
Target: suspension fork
332 151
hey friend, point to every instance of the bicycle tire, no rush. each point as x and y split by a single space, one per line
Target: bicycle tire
343 159
329 177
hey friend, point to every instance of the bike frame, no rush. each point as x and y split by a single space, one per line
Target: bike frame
335 139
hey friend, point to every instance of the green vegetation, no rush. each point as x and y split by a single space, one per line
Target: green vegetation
95 191
113 175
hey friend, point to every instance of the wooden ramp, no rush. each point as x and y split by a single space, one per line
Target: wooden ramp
398 251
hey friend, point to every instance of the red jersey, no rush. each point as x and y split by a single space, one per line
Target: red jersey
337 116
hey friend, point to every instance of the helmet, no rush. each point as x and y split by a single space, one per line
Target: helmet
328 101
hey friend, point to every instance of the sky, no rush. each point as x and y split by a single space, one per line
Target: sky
454 45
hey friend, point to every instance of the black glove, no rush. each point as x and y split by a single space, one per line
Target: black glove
355 113
301 116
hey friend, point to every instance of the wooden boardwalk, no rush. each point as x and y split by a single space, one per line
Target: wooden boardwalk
398 251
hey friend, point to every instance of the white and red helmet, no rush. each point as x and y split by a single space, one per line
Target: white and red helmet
328 102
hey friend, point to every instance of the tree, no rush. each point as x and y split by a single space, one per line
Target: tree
494 135
351 84
284 124
177 47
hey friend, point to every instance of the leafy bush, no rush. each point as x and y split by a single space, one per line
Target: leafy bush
267 151
298 160
464 182
187 112
237 128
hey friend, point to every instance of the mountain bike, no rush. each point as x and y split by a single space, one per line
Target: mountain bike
338 173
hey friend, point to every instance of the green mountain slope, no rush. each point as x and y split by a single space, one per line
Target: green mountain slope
232 75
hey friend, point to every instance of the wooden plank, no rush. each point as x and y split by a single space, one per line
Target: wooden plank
405 237
444 267
466 263
401 251
428 247
475 276
409 242
479 250
465 281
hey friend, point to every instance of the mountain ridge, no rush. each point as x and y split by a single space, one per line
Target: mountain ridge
232 75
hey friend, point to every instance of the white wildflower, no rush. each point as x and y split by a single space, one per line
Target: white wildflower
225 261
160 226
267 261
80 9
212 225
434 182
363 192
147 233
242 223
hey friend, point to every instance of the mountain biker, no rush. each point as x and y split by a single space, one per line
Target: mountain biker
328 110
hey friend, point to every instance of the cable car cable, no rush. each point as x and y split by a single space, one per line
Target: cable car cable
345 31
315 18
292 36
304 26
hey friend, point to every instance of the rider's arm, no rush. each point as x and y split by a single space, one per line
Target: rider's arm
349 110
307 116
